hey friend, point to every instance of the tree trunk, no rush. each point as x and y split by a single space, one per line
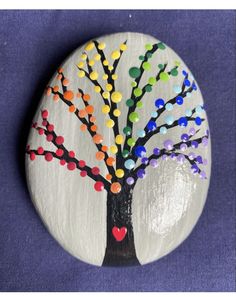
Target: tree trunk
120 252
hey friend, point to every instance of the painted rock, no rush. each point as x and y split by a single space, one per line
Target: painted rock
118 158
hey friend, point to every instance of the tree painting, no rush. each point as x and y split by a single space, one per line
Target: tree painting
127 159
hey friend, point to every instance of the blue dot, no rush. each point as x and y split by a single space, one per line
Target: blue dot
177 89
198 121
151 126
169 119
169 106
188 112
163 130
187 83
140 151
159 103
194 86
179 100
184 73
154 114
183 122
141 133
129 164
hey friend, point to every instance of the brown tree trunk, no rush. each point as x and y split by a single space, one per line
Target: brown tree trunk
120 253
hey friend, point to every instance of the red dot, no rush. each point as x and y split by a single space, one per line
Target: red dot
62 162
44 114
71 154
82 163
40 150
50 127
32 156
99 186
95 170
40 131
71 165
44 123
83 173
49 137
27 147
59 152
48 157
59 140
34 125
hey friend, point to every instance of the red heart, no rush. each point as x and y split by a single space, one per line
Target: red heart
119 233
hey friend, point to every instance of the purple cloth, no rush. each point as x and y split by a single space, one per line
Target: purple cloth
32 45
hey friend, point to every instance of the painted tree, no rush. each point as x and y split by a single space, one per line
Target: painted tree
126 160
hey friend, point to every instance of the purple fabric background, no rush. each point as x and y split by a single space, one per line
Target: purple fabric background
32 45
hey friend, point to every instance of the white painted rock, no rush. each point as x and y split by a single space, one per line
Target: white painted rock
118 157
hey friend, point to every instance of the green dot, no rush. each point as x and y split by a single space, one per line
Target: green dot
164 76
174 72
129 102
160 66
133 84
137 92
148 47
149 55
148 88
131 141
127 130
146 66
161 46
134 117
141 58
152 80
134 72
125 153
139 104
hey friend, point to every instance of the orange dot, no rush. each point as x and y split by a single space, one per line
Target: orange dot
55 89
78 95
110 161
97 138
115 187
69 95
82 113
92 119
56 97
65 82
48 91
100 156
89 109
108 176
72 108
94 128
104 148
60 70
86 97
83 127
59 77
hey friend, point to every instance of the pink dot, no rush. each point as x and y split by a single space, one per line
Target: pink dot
32 156
83 173
44 114
82 163
99 186
34 125
71 154
71 165
59 152
49 137
50 127
40 131
59 140
40 150
62 162
44 123
48 157
95 170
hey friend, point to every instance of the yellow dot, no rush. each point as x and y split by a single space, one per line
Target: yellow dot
119 173
81 64
91 62
110 123
97 89
116 112
106 95
105 109
123 47
108 87
105 76
89 46
110 68
101 45
116 97
113 149
81 73
119 139
93 75
83 57
97 57
115 55
105 62
114 76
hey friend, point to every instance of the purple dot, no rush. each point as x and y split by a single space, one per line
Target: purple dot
130 180
180 158
199 159
183 146
202 174
141 173
164 157
185 137
194 144
195 169
168 144
156 151
144 160
173 156
204 162
192 131
191 156
205 141
153 163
